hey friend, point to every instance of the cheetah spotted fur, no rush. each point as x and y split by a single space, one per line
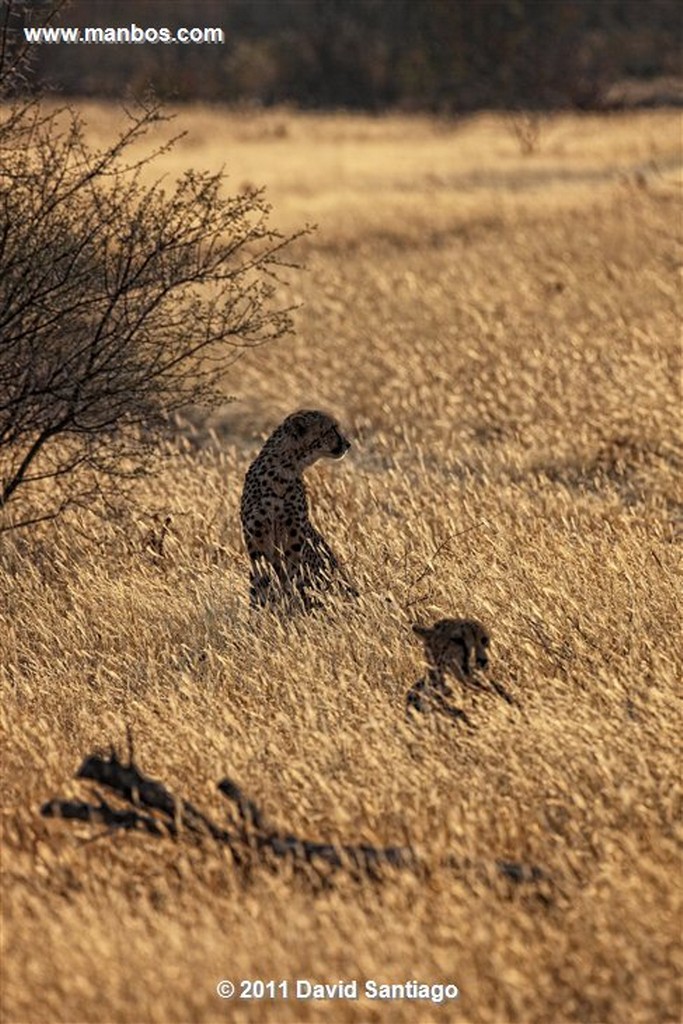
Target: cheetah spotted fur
289 558
454 647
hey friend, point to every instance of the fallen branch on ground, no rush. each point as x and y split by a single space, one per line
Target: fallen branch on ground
152 809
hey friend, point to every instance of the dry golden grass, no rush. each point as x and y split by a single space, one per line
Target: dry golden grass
499 336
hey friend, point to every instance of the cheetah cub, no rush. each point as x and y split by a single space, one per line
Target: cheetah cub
454 646
289 557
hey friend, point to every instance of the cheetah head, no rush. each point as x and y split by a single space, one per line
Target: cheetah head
453 644
313 435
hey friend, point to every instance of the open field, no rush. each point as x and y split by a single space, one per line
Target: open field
499 334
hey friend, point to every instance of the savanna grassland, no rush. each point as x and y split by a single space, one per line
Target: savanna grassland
499 335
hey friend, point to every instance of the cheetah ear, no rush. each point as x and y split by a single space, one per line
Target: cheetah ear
421 630
300 425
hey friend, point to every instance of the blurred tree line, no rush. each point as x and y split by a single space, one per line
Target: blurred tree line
439 55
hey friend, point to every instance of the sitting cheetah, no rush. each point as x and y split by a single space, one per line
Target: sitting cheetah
451 645
288 555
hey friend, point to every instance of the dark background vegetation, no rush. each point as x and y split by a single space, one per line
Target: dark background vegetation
437 55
